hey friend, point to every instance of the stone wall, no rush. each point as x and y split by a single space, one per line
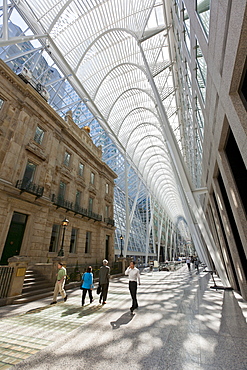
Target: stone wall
225 51
22 111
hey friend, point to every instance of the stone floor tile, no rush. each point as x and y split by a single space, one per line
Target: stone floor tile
181 324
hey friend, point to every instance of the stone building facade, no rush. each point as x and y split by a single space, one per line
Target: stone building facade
225 132
50 170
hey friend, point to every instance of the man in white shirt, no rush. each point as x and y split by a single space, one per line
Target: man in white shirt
188 261
134 276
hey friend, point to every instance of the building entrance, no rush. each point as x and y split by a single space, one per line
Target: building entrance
14 238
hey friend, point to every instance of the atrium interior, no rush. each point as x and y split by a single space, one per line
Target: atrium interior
161 85
123 136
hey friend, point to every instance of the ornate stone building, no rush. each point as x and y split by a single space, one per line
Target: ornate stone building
50 170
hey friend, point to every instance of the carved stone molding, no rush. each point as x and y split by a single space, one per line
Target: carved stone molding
66 172
108 198
92 189
80 182
31 147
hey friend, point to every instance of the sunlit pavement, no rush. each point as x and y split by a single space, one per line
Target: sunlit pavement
181 324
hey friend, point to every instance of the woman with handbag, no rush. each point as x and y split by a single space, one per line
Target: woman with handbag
87 285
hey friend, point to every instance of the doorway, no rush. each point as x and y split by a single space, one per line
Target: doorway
14 238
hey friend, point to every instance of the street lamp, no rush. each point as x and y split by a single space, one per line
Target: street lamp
65 223
121 240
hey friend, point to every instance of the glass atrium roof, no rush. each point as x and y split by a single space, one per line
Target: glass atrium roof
116 55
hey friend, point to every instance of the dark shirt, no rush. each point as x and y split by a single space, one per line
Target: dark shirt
104 275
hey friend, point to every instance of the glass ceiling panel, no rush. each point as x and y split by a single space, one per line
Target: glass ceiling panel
116 54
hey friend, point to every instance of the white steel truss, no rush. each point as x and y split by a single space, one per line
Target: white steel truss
118 59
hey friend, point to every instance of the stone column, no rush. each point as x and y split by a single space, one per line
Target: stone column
19 263
125 262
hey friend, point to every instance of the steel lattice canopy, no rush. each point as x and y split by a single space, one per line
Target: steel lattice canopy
115 52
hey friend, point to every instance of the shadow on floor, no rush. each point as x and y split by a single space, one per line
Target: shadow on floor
123 320
35 310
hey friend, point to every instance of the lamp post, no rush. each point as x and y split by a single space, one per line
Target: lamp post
121 241
65 223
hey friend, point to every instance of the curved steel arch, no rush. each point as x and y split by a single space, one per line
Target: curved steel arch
166 198
147 174
136 109
117 66
160 168
99 37
181 218
164 169
58 15
153 155
168 183
125 91
144 137
138 126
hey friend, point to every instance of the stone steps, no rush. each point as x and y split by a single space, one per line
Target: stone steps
35 286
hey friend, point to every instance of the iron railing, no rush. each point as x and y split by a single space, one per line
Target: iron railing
94 216
5 279
62 202
30 187
70 206
109 221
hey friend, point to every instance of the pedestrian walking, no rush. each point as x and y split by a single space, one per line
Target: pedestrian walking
104 276
59 286
197 262
188 261
87 285
134 276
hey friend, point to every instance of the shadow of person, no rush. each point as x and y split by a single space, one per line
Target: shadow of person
36 310
123 320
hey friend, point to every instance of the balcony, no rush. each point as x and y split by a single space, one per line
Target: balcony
109 221
60 202
94 216
30 187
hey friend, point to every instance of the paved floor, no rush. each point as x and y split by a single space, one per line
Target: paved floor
181 324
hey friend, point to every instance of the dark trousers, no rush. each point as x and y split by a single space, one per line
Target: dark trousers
104 291
84 292
133 291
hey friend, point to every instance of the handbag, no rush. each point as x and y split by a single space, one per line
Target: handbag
99 289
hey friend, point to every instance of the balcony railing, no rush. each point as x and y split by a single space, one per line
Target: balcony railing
70 206
61 202
30 187
109 221
94 216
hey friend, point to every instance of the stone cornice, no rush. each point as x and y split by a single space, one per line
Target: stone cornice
81 182
92 189
108 198
66 172
31 147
